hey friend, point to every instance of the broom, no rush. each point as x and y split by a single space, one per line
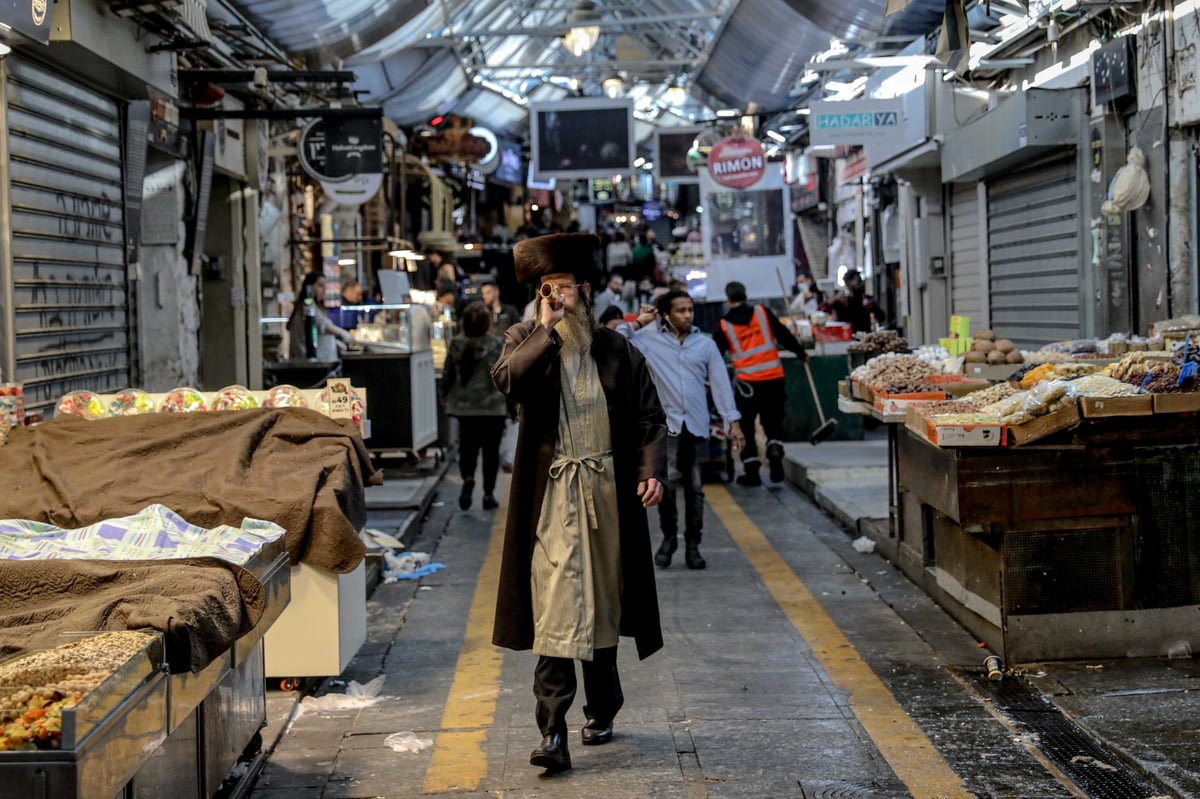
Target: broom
828 426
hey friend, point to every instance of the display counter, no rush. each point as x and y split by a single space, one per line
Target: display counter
402 414
145 732
1083 545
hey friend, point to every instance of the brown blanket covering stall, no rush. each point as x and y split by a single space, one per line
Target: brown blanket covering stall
295 467
201 605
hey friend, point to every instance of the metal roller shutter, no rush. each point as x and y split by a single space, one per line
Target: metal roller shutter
1034 252
69 273
967 277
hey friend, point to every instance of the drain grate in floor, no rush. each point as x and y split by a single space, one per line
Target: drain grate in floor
840 789
1089 765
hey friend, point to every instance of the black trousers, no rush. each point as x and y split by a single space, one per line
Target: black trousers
555 686
767 400
683 468
480 434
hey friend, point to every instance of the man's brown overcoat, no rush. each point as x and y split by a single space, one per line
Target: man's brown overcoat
528 372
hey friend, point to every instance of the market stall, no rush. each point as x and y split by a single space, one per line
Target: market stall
1048 513
177 720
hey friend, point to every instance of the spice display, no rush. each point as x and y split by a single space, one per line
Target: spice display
1101 386
881 341
41 685
892 368
989 395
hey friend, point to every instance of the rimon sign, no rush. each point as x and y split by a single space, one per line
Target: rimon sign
737 162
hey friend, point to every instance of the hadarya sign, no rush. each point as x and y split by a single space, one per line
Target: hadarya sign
854 121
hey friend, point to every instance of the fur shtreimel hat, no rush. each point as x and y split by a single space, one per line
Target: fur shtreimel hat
559 252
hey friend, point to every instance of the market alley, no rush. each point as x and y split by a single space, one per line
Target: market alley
794 666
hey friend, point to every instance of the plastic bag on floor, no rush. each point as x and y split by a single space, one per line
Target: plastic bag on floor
864 545
356 697
407 742
409 566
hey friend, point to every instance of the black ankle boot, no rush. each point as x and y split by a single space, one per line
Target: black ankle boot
552 753
691 556
464 499
489 502
665 550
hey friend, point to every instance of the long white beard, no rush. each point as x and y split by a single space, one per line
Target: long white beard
575 329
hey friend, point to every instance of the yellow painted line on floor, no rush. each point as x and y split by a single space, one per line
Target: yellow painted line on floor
901 742
459 758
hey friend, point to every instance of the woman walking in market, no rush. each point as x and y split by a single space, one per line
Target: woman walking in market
471 397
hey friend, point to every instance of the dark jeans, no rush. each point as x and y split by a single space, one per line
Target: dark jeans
684 453
767 400
475 434
555 685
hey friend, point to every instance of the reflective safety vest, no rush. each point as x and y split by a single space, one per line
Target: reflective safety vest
755 356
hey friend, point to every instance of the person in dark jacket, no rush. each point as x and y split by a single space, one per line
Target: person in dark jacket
471 397
576 571
751 335
855 307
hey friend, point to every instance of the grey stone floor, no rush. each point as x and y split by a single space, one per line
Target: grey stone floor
736 705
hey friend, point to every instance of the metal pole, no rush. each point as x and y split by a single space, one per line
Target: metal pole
8 341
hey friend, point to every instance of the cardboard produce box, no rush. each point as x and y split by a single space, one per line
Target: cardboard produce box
991 371
893 404
955 435
1064 419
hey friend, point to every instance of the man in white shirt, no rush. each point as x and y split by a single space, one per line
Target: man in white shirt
683 361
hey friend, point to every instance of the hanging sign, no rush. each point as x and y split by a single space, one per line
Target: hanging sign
854 121
337 149
737 162
354 190
30 17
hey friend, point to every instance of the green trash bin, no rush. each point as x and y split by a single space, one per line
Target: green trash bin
801 417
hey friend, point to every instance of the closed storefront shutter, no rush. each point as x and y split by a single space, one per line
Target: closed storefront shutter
967 278
70 279
1034 252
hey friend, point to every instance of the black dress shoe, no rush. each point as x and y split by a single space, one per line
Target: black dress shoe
489 502
692 557
595 733
552 754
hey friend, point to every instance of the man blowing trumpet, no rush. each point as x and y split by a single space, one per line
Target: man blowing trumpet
576 572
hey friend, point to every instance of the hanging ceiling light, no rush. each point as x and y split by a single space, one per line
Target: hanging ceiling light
675 94
612 85
584 33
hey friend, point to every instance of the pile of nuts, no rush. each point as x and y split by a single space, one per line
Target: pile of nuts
1101 386
891 368
880 341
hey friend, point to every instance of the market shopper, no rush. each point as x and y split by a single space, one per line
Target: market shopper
751 335
686 364
471 397
610 297
855 307
311 333
503 316
576 570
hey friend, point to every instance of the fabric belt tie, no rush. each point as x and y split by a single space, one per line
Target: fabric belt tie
570 467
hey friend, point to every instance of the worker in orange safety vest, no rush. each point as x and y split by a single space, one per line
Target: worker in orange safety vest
751 336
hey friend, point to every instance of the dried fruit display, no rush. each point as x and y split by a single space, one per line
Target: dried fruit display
38 687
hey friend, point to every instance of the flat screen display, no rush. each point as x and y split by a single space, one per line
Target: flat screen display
533 182
582 138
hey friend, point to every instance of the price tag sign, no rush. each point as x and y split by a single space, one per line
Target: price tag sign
341 405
